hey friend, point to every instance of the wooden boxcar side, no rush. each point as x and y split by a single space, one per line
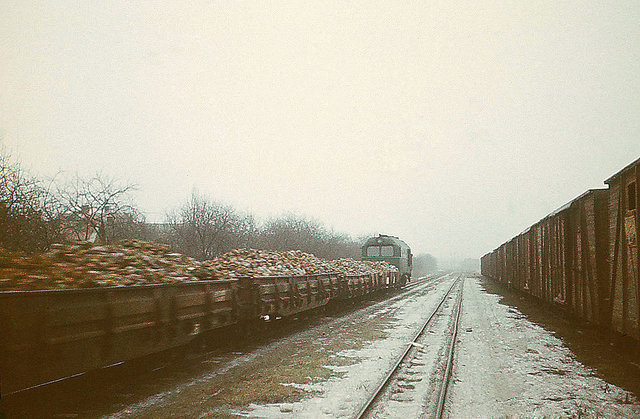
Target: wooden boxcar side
585 256
562 258
544 258
522 261
502 264
510 263
588 276
624 253
484 265
538 285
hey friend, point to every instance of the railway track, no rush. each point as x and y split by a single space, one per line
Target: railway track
408 359
422 280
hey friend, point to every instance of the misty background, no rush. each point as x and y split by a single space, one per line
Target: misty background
452 126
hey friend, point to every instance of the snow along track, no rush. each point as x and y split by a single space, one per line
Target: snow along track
405 362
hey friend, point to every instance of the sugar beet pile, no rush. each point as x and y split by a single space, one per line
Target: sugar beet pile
135 262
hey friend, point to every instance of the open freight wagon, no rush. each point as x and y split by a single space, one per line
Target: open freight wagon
54 334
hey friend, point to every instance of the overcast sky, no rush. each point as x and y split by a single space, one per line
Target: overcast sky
453 126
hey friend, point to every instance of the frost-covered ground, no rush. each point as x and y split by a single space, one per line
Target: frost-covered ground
509 366
505 366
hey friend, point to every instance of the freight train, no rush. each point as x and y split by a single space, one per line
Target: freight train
391 250
48 335
583 257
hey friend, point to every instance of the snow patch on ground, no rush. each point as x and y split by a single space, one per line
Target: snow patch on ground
506 365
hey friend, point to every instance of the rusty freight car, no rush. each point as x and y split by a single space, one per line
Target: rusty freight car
50 335
536 259
583 257
586 257
562 258
624 253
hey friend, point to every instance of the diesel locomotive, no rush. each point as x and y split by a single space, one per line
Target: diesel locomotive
391 250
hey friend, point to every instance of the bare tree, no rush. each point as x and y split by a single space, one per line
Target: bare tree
99 208
293 232
29 214
203 228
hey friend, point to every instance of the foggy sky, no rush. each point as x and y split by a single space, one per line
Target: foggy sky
453 126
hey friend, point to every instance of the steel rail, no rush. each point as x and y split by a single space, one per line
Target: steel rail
423 280
444 385
383 384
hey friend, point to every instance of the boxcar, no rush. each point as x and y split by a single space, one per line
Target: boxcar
624 229
584 256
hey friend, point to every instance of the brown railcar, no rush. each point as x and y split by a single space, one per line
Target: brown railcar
54 334
624 253
536 261
522 261
501 264
282 296
584 256
554 256
48 335
561 259
484 265
509 262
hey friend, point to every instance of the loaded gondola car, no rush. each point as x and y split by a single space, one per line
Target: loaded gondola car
391 250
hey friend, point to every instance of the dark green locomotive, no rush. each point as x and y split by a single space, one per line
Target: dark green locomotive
391 250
